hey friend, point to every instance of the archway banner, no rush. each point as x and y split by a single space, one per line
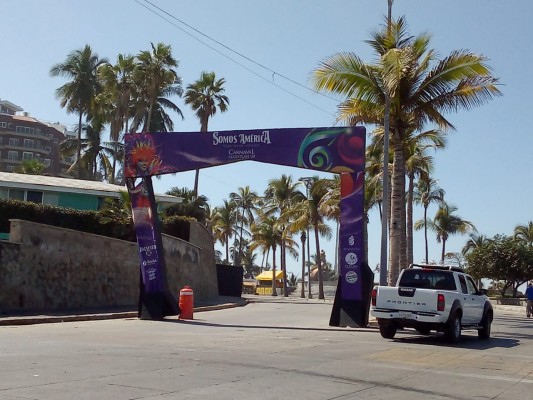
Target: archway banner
335 149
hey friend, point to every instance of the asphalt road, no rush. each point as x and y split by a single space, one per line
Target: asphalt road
273 349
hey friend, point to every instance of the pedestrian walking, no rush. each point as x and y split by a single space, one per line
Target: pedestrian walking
529 297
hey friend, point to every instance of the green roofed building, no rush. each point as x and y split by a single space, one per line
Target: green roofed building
63 192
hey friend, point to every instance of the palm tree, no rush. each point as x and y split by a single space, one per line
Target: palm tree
474 242
374 172
303 237
418 165
246 199
224 224
267 235
279 195
78 95
190 206
318 192
205 96
94 162
446 223
30 167
119 87
420 89
116 209
330 208
524 233
307 212
427 192
156 80
300 218
251 269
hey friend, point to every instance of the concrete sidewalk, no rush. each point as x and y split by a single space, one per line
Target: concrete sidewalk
219 303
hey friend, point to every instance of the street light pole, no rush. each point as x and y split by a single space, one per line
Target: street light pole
303 237
308 182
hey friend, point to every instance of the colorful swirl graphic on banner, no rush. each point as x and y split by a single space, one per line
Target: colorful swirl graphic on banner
332 150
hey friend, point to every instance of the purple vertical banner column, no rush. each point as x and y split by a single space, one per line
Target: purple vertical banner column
352 299
155 301
351 235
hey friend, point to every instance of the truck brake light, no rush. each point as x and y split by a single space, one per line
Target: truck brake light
374 295
441 302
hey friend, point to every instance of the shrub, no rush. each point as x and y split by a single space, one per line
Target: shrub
116 226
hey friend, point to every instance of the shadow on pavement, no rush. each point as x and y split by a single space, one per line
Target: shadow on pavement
198 322
469 340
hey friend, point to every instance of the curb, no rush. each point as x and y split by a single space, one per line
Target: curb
52 319
49 319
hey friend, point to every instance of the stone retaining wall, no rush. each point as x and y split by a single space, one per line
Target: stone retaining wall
43 267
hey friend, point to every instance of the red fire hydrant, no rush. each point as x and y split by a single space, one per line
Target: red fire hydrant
186 303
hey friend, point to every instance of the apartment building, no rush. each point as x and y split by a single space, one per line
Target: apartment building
23 137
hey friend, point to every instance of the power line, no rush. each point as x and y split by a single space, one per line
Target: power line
274 73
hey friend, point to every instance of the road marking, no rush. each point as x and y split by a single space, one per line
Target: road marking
458 374
488 377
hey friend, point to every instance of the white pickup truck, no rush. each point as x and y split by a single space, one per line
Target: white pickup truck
431 297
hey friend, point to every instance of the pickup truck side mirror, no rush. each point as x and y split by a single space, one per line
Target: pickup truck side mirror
482 292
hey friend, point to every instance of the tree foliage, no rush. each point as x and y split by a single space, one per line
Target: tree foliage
421 89
503 259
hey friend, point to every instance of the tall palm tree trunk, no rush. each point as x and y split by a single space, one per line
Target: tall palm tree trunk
203 128
114 166
409 232
384 269
426 231
397 229
337 230
284 268
302 292
274 291
239 254
365 236
319 265
78 150
149 118
227 250
196 178
309 291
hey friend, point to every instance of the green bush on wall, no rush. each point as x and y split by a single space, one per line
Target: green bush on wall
85 221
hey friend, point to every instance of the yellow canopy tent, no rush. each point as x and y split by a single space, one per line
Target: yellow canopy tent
267 275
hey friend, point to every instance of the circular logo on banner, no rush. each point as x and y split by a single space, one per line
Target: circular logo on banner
351 277
351 258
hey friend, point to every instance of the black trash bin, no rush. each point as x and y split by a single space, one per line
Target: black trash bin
229 280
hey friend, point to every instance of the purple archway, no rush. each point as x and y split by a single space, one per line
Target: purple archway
336 150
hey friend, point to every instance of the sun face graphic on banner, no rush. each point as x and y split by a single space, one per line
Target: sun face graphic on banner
143 158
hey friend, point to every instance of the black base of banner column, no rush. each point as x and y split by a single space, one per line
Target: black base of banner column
353 312
158 305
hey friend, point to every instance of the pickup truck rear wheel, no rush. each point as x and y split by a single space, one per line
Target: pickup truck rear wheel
452 332
484 332
387 330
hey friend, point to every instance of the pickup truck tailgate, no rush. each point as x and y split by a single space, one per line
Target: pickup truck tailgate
406 298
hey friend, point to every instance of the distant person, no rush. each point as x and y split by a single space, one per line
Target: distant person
529 296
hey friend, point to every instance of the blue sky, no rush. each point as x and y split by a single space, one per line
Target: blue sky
485 170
